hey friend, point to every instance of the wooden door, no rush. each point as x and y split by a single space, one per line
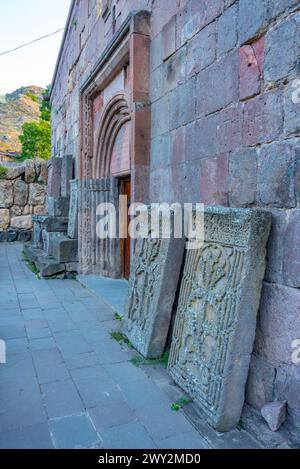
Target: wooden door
126 190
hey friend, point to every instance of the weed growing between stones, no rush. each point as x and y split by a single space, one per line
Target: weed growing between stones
31 265
3 172
139 360
182 402
117 317
121 338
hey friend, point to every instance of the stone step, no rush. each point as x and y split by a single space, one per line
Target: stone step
63 249
47 265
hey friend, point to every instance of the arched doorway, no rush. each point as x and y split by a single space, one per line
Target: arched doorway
112 165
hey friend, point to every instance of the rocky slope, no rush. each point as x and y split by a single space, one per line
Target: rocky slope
15 109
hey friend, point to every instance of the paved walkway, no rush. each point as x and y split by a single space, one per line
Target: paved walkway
68 384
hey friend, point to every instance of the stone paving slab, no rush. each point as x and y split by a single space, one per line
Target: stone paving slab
73 386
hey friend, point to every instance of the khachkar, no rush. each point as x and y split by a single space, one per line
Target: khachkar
215 323
152 288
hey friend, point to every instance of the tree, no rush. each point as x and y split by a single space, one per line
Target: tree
36 137
45 107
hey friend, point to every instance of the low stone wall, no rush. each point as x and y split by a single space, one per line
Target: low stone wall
22 194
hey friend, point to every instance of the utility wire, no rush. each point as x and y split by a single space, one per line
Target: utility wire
31 42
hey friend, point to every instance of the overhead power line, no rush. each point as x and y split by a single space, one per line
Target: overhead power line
31 42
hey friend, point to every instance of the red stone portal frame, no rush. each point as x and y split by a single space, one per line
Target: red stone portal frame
130 50
130 46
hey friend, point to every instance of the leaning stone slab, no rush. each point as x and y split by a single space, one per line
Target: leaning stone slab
73 210
152 288
66 174
54 177
215 323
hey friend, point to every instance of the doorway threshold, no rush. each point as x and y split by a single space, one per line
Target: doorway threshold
112 291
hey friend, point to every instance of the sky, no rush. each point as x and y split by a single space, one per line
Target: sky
22 21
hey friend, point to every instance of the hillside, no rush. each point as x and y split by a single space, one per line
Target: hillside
16 109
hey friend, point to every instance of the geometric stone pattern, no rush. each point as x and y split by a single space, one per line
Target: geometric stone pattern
216 317
152 288
97 256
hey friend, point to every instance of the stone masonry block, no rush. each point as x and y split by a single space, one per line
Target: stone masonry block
227 30
169 38
178 145
160 183
4 219
229 129
37 194
215 323
29 171
291 254
156 84
242 177
282 50
291 106
151 293
251 61
201 50
190 20
278 323
185 182
214 180
174 70
160 152
253 15
23 222
263 118
6 194
20 193
260 384
182 104
160 120
201 139
217 86
156 52
276 175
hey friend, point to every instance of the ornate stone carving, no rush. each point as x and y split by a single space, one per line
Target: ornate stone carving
152 288
216 317
97 256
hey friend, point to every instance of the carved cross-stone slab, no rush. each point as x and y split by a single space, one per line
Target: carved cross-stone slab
215 323
152 289
73 210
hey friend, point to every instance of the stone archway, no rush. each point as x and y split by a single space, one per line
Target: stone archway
115 117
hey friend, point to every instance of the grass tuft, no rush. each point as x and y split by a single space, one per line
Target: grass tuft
139 361
117 317
121 338
31 265
182 402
